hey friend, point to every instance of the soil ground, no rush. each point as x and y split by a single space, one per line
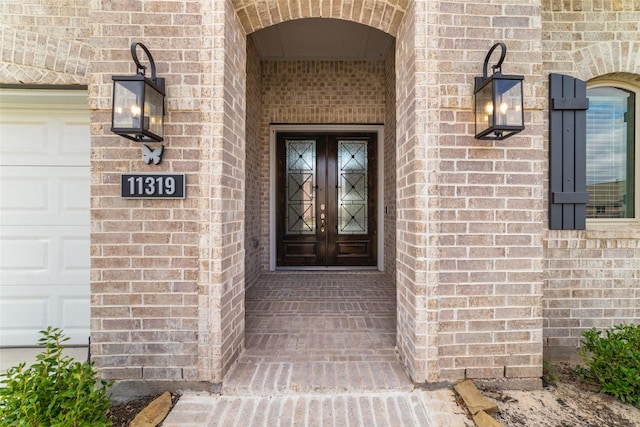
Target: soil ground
570 403
123 413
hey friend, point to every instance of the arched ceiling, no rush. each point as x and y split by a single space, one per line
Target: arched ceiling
322 39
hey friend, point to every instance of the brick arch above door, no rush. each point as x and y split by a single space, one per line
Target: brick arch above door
386 16
605 58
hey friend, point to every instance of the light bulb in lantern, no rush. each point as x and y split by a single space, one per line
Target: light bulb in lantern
489 108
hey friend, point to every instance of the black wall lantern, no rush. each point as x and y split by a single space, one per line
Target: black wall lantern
498 101
138 102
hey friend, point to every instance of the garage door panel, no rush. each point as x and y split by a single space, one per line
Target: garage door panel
28 257
76 195
21 317
24 254
44 196
42 277
24 141
75 254
76 140
31 310
63 139
22 194
75 312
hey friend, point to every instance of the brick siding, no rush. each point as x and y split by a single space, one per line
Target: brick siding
257 155
476 270
44 42
590 276
390 177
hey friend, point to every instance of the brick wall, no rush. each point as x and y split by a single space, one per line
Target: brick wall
145 253
229 189
590 276
62 19
591 281
490 200
257 155
222 209
408 256
383 15
389 207
44 42
323 92
472 252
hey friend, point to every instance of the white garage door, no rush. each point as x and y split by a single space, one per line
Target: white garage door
44 215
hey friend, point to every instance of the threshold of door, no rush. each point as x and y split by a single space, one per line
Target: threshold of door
327 268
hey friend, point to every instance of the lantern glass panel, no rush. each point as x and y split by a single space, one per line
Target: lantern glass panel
127 109
509 102
484 108
153 111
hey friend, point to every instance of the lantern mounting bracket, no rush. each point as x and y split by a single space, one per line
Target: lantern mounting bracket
497 68
139 66
142 69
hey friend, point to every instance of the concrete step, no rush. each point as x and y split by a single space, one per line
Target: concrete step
265 378
398 409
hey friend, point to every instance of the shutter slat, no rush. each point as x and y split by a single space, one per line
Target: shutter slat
555 153
566 198
567 153
569 104
581 156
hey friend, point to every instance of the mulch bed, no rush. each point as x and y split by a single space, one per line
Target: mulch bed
123 413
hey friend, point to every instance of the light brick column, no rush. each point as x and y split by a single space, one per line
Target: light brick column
413 246
144 270
490 200
221 275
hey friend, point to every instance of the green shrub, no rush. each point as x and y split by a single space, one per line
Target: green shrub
55 391
549 373
613 361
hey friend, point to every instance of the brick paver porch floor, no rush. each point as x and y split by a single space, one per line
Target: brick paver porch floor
310 331
319 351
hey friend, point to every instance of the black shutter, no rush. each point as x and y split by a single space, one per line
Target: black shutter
568 195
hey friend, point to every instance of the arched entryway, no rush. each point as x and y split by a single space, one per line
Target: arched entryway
396 111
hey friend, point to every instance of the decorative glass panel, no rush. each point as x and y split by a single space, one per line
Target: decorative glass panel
610 153
352 187
301 194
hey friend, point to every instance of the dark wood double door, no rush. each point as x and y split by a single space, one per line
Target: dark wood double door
326 199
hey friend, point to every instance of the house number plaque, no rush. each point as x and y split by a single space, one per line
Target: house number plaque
153 186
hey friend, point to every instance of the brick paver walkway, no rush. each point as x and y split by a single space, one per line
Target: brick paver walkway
319 351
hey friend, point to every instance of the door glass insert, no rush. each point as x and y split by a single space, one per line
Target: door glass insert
352 187
300 186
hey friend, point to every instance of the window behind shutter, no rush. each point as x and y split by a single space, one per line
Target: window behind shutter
568 195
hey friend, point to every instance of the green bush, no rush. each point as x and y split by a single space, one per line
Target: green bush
613 361
549 373
55 391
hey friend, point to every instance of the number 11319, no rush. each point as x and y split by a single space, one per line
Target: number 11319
170 186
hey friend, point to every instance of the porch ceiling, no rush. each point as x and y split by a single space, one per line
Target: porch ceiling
322 39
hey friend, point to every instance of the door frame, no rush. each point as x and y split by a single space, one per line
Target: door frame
273 130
